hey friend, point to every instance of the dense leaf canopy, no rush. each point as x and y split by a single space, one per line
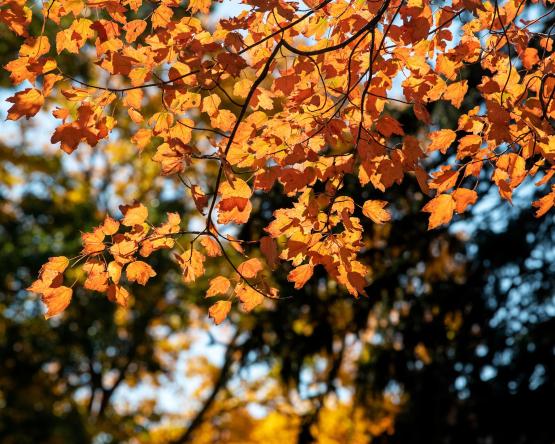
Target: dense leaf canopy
299 162
299 97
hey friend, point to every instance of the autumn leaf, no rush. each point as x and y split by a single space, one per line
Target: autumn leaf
234 205
139 272
219 311
56 300
269 250
300 275
249 297
218 285
441 140
25 103
211 247
250 268
463 198
545 203
110 226
374 210
249 137
441 209
118 294
135 214
192 264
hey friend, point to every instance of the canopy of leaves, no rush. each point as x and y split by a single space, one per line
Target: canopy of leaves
290 158
295 99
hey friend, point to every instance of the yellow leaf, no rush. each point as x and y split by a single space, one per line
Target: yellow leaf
161 17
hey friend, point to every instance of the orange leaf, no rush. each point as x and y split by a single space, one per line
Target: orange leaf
118 294
219 311
110 226
161 17
301 275
56 263
25 103
218 285
248 296
134 29
140 272
441 208
56 300
250 268
545 203
211 246
374 209
234 205
455 93
441 140
192 263
463 198
135 214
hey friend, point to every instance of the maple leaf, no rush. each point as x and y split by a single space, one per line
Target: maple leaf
172 158
56 300
179 75
219 311
211 246
374 209
192 263
218 285
301 275
114 271
134 29
93 242
269 250
25 103
463 198
134 214
249 297
109 226
441 140
250 268
441 208
118 294
545 203
235 205
140 272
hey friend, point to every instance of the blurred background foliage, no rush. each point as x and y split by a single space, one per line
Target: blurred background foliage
454 343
